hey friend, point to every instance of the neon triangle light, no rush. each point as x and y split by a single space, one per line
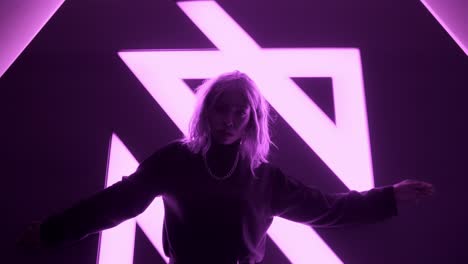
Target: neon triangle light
451 15
21 21
344 147
116 245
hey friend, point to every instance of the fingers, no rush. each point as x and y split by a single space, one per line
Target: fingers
422 194
424 188
413 191
420 187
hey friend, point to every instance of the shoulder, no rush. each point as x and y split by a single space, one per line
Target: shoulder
268 172
175 146
268 168
171 151
276 176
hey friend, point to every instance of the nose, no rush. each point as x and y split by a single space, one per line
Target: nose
228 119
228 122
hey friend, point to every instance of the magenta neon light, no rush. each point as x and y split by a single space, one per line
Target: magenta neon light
20 23
116 245
237 50
343 146
452 16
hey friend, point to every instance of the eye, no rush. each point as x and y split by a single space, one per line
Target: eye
242 113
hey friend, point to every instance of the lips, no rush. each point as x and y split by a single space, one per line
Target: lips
225 133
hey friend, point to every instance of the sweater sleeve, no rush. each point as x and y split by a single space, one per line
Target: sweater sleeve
304 204
110 206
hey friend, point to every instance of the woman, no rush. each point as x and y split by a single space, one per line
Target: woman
220 193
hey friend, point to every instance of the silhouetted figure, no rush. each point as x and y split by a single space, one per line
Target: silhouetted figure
220 192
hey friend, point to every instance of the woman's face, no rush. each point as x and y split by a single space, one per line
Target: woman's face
229 116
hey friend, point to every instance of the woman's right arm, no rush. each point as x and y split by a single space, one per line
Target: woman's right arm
103 210
109 207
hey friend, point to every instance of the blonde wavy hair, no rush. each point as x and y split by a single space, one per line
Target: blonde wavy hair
256 141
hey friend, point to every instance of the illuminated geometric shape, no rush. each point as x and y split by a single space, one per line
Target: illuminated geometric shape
343 145
291 237
453 17
116 245
319 90
20 21
164 85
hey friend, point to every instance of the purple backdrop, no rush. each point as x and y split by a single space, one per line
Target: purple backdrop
69 91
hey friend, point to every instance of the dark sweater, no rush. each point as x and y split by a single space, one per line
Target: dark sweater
209 220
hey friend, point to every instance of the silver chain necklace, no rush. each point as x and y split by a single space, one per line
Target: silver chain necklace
225 176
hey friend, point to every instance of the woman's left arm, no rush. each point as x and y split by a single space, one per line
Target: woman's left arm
304 204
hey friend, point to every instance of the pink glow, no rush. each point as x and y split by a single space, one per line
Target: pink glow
20 21
214 22
152 222
293 236
116 245
344 147
453 16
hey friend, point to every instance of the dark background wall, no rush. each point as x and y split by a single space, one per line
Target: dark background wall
68 92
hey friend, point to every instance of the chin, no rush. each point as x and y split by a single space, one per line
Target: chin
226 141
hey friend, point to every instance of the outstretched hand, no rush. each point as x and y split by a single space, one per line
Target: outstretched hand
412 191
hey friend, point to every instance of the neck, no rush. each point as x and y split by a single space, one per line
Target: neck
220 157
218 149
234 145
